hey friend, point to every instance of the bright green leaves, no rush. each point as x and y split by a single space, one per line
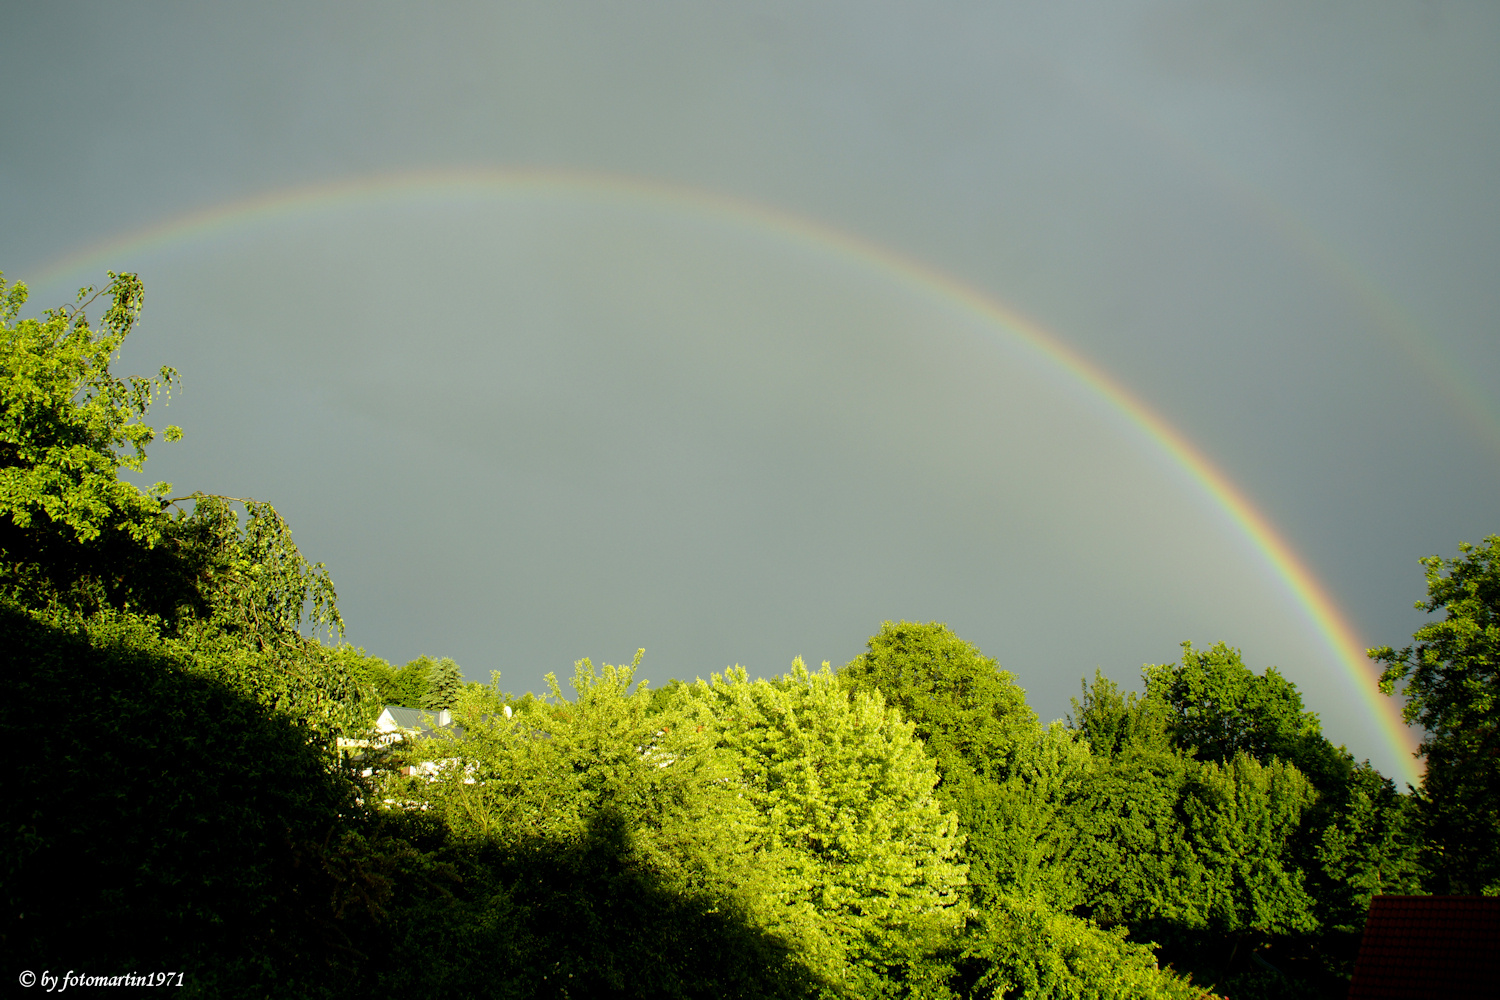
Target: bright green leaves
1027 950
1031 831
1112 721
443 682
1007 777
255 579
1129 843
968 711
845 802
67 425
805 808
549 767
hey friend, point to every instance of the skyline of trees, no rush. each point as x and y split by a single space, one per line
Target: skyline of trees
200 786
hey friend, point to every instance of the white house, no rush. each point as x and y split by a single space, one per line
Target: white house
395 722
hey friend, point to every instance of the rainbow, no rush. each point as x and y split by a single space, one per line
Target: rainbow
1322 612
1453 383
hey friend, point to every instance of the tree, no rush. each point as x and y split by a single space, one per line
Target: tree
1450 677
1218 707
1025 949
73 532
607 850
969 713
1239 817
1112 721
1368 847
998 769
1176 808
408 688
1131 846
64 418
1218 859
253 579
868 862
1032 833
443 682
70 528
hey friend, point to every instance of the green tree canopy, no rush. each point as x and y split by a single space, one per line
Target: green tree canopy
70 528
444 679
1450 677
614 852
408 686
1112 720
1219 707
1023 948
67 425
971 714
1173 806
844 795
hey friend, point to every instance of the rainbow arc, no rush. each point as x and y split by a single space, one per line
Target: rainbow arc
1310 595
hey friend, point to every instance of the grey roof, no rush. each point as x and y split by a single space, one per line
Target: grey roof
411 719
422 720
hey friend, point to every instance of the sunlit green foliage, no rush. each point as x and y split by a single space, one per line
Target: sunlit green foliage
868 859
1034 802
194 732
70 527
1239 817
1450 677
620 844
1112 720
1026 949
1132 846
1031 832
976 725
408 685
971 714
67 426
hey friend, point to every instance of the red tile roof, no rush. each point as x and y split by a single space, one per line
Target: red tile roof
1429 946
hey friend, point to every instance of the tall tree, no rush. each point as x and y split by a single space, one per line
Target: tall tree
871 860
1131 846
1350 837
1239 819
443 682
67 425
997 768
1450 677
408 688
609 850
1218 707
70 528
971 715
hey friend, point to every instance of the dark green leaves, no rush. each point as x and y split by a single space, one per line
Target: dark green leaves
1450 677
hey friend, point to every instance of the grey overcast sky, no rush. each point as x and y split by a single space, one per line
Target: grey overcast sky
525 423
